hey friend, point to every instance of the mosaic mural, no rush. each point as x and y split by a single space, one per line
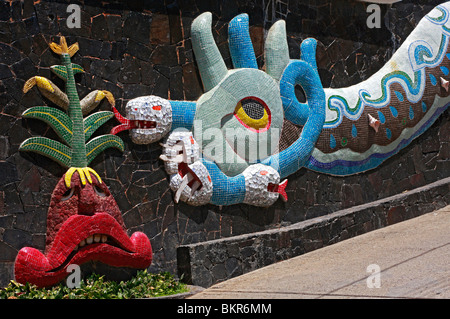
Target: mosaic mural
231 145
237 143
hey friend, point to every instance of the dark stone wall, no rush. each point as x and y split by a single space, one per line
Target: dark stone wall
209 262
134 48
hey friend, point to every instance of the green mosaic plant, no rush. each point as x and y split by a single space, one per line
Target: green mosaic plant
76 150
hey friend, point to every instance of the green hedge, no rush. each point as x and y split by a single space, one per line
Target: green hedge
143 285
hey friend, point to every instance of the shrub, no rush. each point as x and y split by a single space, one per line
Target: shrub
143 285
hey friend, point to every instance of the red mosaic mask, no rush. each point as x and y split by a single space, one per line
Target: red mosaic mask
84 223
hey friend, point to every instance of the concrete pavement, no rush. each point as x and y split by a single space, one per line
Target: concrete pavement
410 259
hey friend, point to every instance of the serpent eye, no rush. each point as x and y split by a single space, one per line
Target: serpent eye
253 113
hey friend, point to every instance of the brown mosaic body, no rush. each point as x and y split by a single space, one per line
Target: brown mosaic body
366 135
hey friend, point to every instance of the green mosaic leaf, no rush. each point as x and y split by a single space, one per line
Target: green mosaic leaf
54 150
70 127
60 71
101 143
94 121
77 68
58 120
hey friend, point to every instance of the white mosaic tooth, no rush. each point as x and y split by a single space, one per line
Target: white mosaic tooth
176 142
181 188
202 196
200 193
445 84
374 123
195 186
164 157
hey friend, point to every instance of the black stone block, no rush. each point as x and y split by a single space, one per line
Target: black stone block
8 173
130 72
165 55
24 69
8 54
5 72
99 27
108 70
114 24
137 27
17 238
32 25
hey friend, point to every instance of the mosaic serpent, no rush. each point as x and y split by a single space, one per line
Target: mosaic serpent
231 145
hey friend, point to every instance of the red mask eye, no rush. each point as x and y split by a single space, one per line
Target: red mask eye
68 194
99 191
